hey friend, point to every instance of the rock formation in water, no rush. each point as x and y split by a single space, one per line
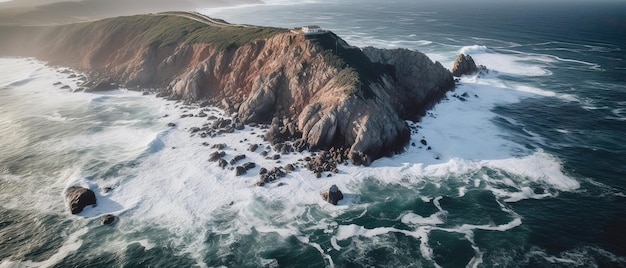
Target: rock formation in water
107 219
78 198
333 195
465 65
320 91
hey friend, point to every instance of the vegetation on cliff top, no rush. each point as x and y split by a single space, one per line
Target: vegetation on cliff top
342 56
170 30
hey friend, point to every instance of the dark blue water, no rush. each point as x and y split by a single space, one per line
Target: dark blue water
481 212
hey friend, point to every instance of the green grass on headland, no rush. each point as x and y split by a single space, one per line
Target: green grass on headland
170 30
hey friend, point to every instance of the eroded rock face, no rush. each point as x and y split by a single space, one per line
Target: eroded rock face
419 83
360 106
333 195
465 65
78 198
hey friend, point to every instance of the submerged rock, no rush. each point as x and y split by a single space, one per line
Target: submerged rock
103 85
333 195
78 198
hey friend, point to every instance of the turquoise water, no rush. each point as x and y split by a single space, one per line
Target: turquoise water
529 170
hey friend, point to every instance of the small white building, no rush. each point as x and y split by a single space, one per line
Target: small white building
310 29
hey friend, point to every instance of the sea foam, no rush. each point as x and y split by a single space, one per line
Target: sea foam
172 185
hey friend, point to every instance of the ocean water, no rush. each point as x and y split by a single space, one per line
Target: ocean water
526 170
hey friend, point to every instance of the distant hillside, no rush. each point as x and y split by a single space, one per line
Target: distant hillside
41 12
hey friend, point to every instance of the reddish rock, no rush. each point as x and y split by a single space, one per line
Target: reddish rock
78 198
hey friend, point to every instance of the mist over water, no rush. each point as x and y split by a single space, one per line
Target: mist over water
523 166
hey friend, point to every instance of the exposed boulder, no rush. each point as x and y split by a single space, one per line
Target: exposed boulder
219 146
237 159
249 165
78 198
222 163
333 195
465 65
107 219
253 147
215 156
239 170
290 167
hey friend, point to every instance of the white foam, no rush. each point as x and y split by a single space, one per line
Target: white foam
414 219
177 189
535 90
474 49
539 167
514 63
579 256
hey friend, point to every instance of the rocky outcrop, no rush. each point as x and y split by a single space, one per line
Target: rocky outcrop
239 171
272 175
78 198
465 65
419 82
333 195
107 219
322 92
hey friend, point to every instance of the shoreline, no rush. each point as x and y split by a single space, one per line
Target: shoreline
209 114
172 172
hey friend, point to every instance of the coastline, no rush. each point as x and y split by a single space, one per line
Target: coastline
169 170
496 172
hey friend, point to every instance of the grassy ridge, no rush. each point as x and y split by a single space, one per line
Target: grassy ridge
169 30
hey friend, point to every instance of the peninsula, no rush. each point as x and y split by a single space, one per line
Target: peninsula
314 91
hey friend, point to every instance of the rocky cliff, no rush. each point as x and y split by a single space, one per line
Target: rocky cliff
327 93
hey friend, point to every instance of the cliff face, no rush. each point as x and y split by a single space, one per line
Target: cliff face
336 95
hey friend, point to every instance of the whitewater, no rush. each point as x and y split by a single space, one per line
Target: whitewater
465 198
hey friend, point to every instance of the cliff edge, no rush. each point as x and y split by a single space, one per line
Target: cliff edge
317 90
